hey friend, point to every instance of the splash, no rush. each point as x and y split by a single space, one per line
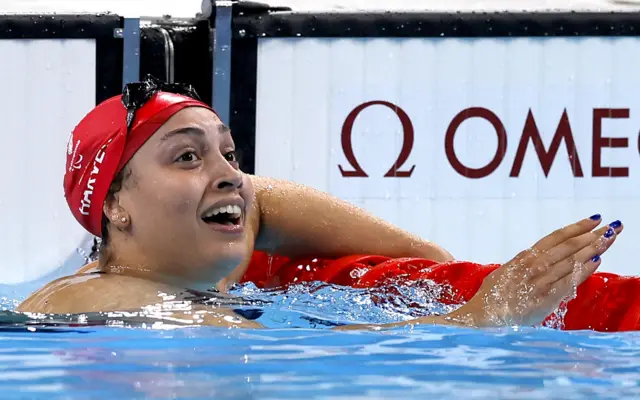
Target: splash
385 304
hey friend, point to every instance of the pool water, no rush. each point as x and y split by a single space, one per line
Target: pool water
301 357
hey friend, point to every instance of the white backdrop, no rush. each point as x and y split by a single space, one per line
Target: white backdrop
48 86
308 87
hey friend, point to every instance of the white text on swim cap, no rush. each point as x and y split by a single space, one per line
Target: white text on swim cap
75 162
85 202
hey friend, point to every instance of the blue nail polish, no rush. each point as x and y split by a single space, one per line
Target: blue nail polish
608 233
595 217
596 258
615 224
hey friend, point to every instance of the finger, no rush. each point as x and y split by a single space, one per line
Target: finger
568 282
573 245
575 265
567 232
598 247
562 260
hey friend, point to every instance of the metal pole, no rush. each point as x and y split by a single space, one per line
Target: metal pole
131 51
222 59
169 56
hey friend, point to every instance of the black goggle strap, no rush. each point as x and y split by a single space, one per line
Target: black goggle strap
136 94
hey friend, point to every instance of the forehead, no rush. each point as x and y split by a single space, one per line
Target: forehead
198 117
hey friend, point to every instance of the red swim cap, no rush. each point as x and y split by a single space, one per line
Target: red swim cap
100 147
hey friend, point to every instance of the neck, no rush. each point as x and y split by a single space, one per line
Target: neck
132 263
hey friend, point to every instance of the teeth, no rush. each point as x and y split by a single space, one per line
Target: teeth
234 211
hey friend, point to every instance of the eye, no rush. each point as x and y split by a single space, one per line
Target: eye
231 156
188 157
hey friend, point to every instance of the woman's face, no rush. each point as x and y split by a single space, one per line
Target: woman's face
187 200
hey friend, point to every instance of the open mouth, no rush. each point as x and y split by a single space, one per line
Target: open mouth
225 215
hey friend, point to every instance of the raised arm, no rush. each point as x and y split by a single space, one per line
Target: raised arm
296 220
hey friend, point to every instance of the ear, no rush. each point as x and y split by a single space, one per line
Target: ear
117 215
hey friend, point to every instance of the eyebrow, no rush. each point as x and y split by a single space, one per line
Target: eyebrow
189 130
223 129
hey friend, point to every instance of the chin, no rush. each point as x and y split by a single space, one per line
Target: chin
225 259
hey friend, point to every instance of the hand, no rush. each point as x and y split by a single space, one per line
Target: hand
531 286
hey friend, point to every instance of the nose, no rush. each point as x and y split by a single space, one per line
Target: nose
226 177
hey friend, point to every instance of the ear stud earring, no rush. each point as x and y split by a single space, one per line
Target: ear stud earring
123 219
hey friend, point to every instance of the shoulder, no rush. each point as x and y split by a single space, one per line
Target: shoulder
94 293
254 214
91 292
89 268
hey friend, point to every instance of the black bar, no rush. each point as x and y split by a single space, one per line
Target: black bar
244 64
414 24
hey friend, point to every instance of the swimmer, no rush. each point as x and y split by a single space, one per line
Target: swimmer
154 174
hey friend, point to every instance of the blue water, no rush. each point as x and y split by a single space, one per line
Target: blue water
301 357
